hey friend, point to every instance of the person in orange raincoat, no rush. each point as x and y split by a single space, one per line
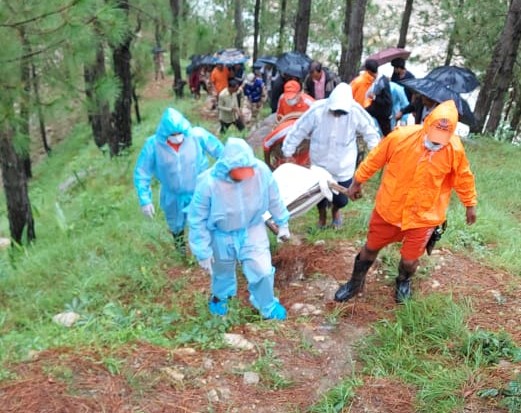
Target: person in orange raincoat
423 163
293 100
361 84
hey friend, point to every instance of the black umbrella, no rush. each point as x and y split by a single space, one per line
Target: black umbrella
459 79
294 64
231 57
265 60
436 91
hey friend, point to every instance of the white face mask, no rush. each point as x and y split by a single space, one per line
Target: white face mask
176 138
292 102
431 146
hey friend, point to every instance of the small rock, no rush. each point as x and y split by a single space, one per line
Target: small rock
320 242
33 355
435 284
305 309
66 319
251 378
207 364
238 341
213 396
173 374
319 338
225 393
185 351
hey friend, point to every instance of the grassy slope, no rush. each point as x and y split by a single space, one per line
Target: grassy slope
96 254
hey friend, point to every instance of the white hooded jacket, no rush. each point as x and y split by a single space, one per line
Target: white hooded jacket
333 138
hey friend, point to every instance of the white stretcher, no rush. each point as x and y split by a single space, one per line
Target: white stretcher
301 189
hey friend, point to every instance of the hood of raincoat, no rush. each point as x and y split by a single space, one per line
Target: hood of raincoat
443 117
236 154
172 122
341 98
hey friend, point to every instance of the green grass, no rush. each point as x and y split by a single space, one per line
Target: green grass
95 254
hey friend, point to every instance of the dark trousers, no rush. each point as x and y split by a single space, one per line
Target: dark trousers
339 200
238 124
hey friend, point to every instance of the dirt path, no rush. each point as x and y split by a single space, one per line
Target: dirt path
311 352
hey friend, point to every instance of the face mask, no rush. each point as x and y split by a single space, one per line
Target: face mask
431 146
292 102
176 138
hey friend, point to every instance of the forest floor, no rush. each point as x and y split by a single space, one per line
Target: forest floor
311 352
306 355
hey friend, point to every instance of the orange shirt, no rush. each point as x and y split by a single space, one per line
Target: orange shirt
416 184
219 79
360 85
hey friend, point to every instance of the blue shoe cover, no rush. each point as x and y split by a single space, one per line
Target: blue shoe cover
278 313
218 307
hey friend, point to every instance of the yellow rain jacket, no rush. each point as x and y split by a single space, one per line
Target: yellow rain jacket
417 183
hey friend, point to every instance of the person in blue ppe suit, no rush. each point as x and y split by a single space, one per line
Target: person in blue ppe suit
226 225
175 155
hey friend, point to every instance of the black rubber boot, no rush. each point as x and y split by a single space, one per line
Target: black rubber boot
403 289
356 283
179 242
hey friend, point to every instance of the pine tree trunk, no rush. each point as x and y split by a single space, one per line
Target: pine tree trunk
355 36
16 191
98 111
25 102
121 138
282 26
135 98
239 25
404 27
41 117
499 73
344 63
175 41
302 26
256 24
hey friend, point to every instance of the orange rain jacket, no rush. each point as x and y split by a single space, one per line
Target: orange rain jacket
303 104
417 183
360 85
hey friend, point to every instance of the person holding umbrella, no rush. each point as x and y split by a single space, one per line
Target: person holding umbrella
422 165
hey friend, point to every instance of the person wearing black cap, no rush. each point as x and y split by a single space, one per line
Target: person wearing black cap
401 73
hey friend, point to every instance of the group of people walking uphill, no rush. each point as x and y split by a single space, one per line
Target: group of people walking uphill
223 205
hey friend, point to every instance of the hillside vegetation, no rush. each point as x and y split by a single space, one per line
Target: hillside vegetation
139 303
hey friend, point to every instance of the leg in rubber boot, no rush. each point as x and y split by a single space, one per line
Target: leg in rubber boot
403 290
356 283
